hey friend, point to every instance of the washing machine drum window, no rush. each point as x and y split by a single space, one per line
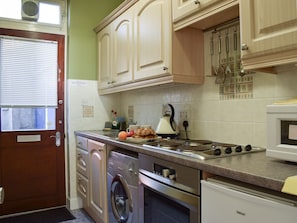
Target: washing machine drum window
121 201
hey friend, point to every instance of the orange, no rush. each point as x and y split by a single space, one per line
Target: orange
122 135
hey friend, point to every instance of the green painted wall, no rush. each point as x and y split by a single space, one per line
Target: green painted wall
84 16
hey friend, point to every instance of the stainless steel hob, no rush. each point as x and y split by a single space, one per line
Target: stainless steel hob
201 149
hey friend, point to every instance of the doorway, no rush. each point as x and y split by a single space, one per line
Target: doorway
32 153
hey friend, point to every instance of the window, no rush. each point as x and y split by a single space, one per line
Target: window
28 84
49 12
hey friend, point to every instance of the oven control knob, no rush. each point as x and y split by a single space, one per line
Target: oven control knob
248 147
238 149
228 150
217 152
165 172
172 177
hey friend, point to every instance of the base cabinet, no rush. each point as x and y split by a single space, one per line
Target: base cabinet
91 177
97 181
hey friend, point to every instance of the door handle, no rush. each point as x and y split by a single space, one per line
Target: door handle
58 138
1 195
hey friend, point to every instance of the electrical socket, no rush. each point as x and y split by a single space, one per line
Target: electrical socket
183 116
130 113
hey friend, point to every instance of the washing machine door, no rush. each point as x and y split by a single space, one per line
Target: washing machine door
121 200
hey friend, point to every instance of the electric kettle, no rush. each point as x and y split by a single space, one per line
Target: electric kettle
167 126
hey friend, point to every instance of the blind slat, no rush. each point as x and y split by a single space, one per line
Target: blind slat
28 72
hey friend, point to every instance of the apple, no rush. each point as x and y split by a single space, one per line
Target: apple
130 133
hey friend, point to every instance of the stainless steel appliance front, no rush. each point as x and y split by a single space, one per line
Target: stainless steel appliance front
168 192
122 187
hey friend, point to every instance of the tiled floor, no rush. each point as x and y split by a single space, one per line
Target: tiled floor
81 217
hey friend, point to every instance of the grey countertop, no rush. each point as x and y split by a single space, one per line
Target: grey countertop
254 168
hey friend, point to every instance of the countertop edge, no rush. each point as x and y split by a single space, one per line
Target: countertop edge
225 167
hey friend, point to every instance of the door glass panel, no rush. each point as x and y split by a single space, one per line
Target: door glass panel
28 119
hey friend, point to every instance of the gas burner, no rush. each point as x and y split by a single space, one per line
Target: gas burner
202 149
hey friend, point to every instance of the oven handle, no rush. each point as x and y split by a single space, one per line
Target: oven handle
186 199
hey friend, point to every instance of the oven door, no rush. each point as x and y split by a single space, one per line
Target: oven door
159 202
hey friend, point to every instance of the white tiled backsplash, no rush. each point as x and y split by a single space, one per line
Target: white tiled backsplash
235 121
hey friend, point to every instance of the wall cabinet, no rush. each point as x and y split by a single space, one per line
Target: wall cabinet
147 51
152 39
122 29
203 14
115 52
269 33
91 177
104 39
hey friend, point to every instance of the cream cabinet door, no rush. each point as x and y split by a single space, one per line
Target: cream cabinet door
152 38
183 8
122 31
104 40
269 32
97 181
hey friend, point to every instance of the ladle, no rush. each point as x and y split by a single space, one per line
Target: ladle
227 69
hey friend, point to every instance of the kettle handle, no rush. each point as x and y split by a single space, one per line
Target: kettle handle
172 116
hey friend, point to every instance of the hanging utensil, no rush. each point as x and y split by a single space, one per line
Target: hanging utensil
214 70
221 71
227 69
235 52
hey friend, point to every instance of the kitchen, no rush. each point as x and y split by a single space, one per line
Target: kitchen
214 117
240 121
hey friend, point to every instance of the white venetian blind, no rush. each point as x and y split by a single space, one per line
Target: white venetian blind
28 72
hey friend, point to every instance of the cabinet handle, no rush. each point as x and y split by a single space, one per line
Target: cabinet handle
83 189
244 47
165 68
82 162
110 82
197 2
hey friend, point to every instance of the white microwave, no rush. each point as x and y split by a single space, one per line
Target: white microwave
282 130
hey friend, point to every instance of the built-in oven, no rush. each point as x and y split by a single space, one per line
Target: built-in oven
168 192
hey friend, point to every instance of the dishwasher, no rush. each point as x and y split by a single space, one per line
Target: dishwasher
225 201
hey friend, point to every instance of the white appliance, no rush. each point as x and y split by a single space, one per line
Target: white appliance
226 202
282 130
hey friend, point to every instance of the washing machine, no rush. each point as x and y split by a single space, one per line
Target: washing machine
122 185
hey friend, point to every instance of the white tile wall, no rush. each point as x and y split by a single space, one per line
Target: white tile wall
235 121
